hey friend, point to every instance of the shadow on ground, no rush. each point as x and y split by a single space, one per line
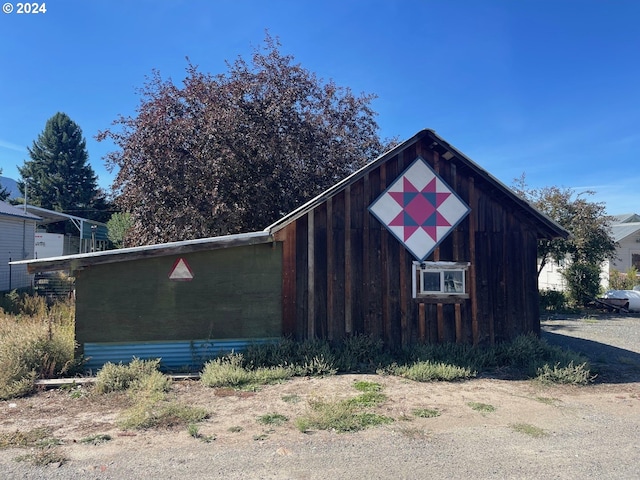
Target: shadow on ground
611 364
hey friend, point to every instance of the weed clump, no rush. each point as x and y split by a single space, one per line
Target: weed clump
33 347
429 371
348 415
570 374
138 374
231 371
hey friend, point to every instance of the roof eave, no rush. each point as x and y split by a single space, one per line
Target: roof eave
549 228
80 261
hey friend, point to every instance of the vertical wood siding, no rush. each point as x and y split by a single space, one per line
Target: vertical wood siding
352 276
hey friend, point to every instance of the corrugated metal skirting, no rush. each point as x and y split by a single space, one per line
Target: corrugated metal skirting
185 356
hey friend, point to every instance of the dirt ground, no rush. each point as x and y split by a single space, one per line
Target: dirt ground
535 431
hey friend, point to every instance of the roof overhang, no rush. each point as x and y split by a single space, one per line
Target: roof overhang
80 261
546 227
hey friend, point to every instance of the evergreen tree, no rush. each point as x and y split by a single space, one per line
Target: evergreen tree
58 175
4 193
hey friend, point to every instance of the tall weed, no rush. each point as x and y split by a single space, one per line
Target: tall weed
40 346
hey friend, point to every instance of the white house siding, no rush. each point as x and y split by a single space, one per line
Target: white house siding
17 237
628 250
627 236
551 278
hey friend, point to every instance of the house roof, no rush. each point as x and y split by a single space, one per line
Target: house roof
446 151
625 218
76 262
11 211
82 224
621 231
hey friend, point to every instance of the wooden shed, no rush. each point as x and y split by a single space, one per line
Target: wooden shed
420 245
385 253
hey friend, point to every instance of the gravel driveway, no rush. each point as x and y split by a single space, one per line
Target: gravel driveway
585 432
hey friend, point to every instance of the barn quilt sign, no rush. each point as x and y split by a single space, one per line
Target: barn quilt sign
419 209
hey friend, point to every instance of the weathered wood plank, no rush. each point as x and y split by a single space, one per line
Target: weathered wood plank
330 268
302 277
311 287
440 320
405 295
473 204
348 270
422 323
288 238
320 270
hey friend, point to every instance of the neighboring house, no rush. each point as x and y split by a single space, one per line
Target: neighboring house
626 233
419 246
89 236
17 229
625 230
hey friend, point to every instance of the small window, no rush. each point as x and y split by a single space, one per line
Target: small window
440 278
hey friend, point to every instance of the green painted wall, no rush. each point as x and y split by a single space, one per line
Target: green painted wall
235 293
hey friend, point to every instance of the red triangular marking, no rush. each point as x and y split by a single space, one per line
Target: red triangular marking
181 271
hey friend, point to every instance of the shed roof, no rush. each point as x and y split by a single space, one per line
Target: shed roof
75 262
447 151
10 211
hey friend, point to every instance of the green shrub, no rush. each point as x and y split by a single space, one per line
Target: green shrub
623 281
552 300
583 282
227 371
317 366
361 353
120 377
277 361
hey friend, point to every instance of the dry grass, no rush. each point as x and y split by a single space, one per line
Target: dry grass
38 346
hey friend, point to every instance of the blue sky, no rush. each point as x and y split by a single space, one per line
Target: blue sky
549 88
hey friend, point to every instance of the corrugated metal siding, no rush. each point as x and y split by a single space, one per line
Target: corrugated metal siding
174 356
17 238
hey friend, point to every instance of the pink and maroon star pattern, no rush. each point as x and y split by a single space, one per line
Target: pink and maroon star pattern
419 208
